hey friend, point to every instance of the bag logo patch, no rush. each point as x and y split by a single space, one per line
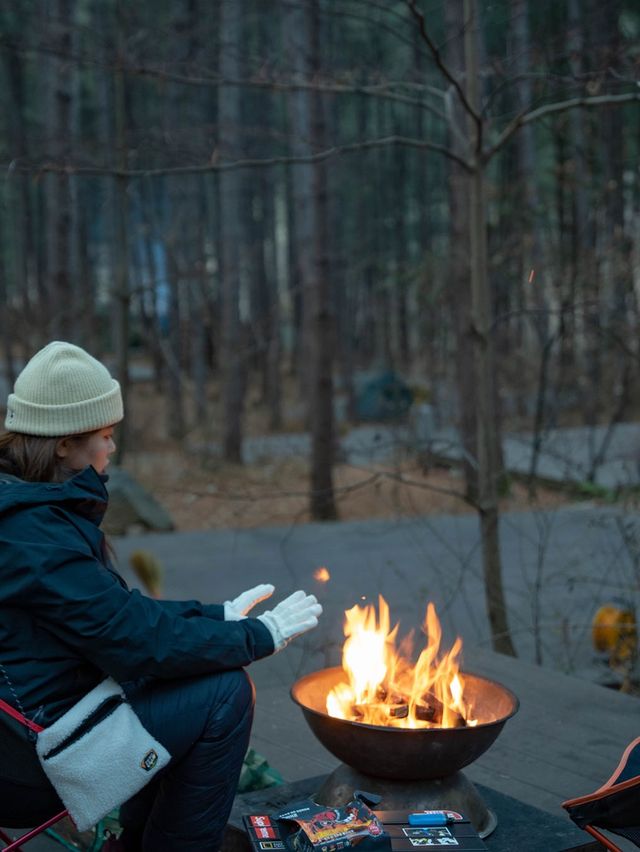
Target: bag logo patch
149 760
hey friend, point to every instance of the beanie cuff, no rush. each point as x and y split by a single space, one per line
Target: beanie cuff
29 418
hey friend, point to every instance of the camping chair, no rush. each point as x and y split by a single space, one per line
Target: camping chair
101 837
615 806
9 752
16 845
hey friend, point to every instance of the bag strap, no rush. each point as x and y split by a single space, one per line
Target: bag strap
19 717
11 711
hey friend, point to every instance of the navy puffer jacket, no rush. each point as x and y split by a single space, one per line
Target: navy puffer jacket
67 618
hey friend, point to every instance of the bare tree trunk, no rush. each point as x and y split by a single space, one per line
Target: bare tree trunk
273 388
322 507
533 255
615 242
401 266
344 330
6 332
481 307
60 194
121 294
459 272
232 369
582 260
147 305
19 276
198 352
294 287
173 349
297 38
533 265
194 238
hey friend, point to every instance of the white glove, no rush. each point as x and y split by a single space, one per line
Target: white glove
294 615
238 608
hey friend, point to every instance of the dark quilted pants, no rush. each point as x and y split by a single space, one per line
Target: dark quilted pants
204 722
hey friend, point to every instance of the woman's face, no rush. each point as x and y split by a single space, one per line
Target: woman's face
92 449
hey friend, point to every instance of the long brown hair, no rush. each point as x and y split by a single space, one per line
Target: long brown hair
34 458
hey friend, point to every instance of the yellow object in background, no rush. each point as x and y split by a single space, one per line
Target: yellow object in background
148 570
614 630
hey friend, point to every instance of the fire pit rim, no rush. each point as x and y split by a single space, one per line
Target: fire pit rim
397 728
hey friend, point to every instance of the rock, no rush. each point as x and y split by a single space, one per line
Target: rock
131 506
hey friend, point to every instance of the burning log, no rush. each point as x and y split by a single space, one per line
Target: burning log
399 711
386 697
396 706
427 713
380 708
430 709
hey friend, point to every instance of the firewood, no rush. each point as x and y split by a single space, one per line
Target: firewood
425 713
399 711
430 709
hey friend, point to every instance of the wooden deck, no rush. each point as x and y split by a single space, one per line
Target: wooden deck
566 739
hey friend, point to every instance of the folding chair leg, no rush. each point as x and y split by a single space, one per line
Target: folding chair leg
15 845
608 844
4 837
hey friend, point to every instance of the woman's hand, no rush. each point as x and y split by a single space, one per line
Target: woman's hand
238 608
291 617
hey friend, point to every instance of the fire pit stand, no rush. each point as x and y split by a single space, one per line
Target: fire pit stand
455 792
412 769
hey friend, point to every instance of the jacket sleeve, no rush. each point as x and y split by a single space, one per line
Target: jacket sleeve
185 608
189 609
126 634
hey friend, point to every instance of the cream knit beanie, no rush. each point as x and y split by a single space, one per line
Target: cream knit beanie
63 391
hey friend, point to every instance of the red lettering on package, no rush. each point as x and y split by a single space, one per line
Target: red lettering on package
260 820
264 831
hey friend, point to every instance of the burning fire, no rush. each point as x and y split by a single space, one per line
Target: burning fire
385 688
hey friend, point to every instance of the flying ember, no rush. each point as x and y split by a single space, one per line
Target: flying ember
322 574
385 688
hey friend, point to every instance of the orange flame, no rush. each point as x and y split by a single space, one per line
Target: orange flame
385 688
322 574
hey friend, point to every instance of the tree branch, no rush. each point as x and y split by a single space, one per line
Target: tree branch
98 171
526 117
378 90
437 56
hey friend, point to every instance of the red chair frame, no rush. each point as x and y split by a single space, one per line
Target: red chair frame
16 845
612 786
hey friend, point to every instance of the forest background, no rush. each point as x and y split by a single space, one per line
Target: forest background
247 206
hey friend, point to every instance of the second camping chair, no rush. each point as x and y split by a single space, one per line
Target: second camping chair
614 807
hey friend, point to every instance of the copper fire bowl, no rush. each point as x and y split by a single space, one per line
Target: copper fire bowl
405 753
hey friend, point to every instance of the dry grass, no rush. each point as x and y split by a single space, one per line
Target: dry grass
201 492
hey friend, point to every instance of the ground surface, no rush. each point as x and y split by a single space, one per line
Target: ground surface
201 493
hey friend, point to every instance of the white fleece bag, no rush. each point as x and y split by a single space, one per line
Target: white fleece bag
99 754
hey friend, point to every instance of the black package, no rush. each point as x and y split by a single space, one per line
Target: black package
308 827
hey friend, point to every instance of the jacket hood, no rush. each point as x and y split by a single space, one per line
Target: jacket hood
86 491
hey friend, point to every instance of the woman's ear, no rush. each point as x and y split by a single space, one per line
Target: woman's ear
63 448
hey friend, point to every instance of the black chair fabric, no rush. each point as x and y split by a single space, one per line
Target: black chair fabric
26 796
615 806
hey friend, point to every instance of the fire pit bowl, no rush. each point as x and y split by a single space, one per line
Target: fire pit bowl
404 753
